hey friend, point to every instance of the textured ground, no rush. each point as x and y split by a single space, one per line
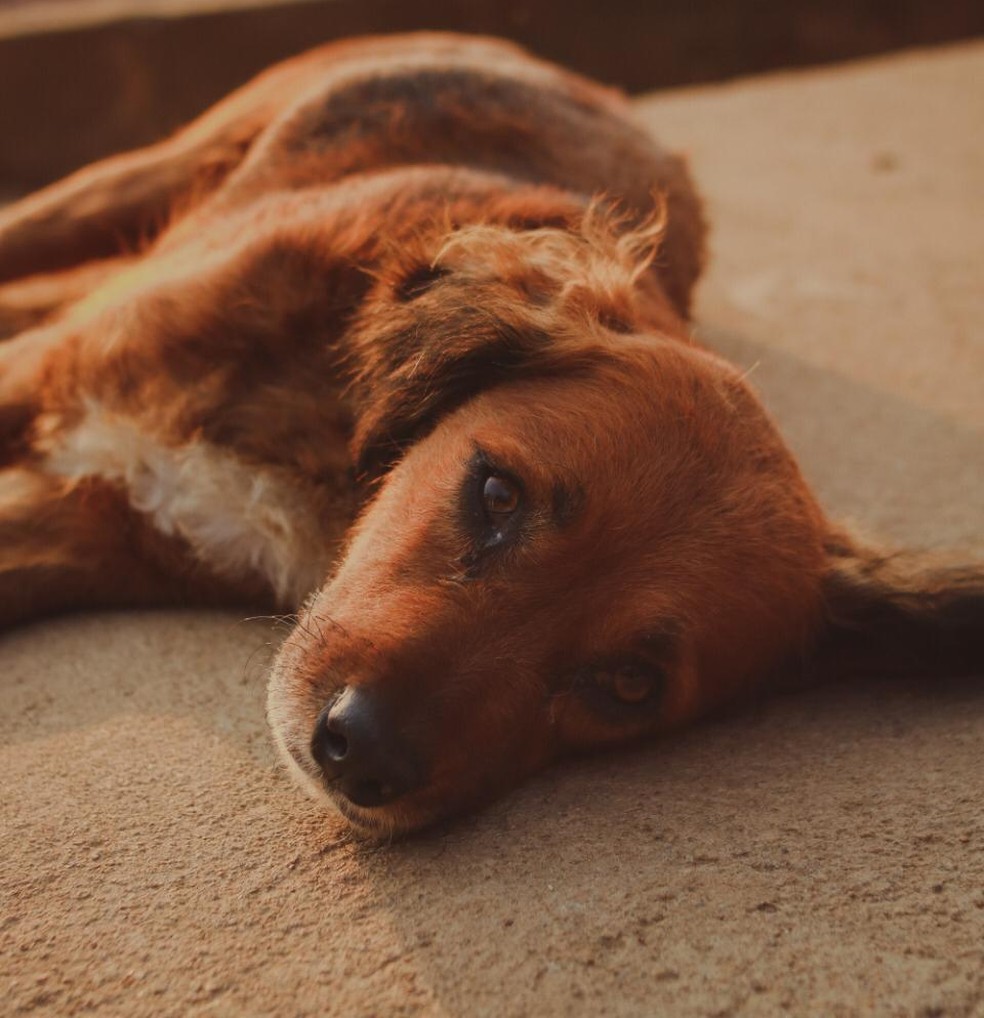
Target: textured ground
822 854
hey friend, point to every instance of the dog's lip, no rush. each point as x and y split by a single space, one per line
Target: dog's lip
380 821
365 818
396 818
366 815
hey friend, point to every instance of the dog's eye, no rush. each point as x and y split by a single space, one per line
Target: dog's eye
500 497
629 684
493 508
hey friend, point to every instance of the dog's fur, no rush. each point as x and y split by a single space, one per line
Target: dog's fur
378 276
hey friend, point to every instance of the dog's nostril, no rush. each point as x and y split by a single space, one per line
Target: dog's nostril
330 741
336 745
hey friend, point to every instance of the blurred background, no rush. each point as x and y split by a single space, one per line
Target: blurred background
80 79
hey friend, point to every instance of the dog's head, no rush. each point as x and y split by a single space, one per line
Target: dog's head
591 532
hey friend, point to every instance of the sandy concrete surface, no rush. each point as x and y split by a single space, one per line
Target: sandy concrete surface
816 855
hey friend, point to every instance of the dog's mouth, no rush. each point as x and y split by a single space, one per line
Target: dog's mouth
387 771
371 820
428 803
395 817
367 820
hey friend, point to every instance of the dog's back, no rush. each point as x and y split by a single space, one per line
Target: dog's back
359 107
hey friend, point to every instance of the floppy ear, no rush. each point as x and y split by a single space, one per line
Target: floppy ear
900 614
408 392
533 291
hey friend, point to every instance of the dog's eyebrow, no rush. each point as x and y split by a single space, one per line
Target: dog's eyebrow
480 458
567 501
660 642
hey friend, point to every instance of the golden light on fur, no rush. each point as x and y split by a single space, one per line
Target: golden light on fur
397 337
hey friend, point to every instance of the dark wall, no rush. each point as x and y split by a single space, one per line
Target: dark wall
70 96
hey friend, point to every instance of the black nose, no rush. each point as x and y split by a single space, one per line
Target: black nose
360 754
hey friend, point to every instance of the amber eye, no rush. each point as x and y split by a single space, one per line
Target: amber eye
500 496
629 683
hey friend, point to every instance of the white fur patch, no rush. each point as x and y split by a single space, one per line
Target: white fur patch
237 518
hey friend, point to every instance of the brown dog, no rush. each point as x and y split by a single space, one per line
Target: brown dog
442 280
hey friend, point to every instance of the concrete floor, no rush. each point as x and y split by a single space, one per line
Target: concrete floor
818 854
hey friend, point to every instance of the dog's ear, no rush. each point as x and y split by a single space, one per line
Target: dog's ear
434 347
899 614
407 394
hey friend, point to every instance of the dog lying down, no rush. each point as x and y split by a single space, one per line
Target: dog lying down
439 288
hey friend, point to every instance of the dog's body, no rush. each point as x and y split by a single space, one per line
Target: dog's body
386 277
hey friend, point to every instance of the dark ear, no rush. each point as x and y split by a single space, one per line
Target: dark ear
412 391
440 343
900 614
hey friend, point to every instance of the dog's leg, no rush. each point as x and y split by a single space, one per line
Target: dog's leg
122 202
111 206
77 544
28 303
61 546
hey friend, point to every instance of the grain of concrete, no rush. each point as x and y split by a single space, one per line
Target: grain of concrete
816 854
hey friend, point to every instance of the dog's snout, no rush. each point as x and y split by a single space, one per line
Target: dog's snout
359 755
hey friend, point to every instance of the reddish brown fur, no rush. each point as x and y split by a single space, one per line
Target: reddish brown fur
345 279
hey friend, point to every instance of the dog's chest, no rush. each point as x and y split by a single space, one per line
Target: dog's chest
238 518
